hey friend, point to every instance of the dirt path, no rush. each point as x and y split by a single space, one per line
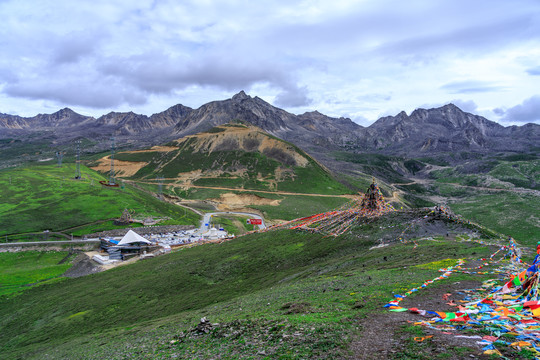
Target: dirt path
482 188
382 335
348 196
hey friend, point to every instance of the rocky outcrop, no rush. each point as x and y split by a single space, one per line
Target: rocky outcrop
445 129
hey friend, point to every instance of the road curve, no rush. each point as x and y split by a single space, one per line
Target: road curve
205 222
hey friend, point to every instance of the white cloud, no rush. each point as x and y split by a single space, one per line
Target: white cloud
340 57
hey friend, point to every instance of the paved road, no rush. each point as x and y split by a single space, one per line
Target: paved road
205 222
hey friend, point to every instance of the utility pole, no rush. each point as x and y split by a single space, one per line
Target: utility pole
111 176
78 161
160 186
59 156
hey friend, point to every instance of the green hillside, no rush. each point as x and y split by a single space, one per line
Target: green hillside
235 156
45 197
497 190
20 270
261 288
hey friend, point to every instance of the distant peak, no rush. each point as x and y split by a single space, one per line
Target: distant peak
451 106
402 114
65 110
315 112
241 96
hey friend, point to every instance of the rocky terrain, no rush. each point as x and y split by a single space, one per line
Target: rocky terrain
424 131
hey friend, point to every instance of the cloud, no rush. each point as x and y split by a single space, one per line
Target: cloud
535 71
293 97
471 86
158 73
465 105
148 53
527 111
75 46
499 111
96 94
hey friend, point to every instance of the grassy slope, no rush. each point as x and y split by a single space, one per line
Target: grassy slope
291 206
513 214
310 179
43 197
233 224
19 270
143 305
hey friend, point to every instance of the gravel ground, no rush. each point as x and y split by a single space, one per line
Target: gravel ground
82 266
382 336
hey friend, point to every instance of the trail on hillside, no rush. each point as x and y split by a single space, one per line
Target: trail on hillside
347 196
517 190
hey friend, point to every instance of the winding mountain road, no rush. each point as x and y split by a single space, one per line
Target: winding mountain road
205 222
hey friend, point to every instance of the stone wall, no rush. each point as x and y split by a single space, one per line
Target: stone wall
50 246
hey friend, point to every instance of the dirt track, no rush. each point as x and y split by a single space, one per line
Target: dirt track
348 196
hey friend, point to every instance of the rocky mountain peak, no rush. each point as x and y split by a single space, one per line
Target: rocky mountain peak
65 111
450 107
241 96
443 129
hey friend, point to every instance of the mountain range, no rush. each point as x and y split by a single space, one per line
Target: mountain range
424 131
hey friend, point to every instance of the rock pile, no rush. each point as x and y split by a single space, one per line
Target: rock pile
204 327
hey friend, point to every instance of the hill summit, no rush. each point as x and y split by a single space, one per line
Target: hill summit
234 155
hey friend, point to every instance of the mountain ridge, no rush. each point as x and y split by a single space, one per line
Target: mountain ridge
443 129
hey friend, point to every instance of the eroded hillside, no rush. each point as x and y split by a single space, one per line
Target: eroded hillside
234 156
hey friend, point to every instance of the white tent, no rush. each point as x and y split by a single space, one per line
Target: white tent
132 237
214 234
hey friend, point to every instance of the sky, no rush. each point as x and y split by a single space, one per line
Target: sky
356 59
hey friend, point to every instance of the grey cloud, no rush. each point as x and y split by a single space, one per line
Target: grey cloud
465 105
413 33
499 111
471 86
480 37
7 76
293 97
159 73
95 95
74 47
527 111
534 71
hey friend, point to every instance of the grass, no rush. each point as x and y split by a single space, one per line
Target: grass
234 224
228 167
290 207
524 174
426 349
19 271
313 179
295 206
107 224
261 287
378 165
146 156
509 213
45 197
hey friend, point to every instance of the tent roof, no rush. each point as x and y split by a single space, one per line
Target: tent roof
133 237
